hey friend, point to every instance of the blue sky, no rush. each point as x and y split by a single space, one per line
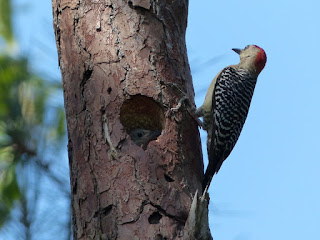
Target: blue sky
269 186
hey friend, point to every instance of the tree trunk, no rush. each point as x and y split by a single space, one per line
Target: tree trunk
124 66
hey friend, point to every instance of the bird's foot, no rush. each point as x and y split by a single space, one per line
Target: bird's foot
190 109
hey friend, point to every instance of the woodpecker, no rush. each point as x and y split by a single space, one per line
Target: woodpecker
226 106
142 137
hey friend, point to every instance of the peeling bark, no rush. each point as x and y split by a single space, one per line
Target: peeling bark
197 224
124 66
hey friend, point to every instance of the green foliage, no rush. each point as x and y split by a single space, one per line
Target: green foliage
14 139
21 106
32 126
5 20
9 191
20 96
24 124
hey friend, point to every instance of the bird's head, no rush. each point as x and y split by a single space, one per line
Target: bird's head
252 57
142 137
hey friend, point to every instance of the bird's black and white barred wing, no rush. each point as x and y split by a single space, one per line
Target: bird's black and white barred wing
230 105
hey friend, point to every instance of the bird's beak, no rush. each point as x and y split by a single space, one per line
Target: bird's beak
156 134
237 50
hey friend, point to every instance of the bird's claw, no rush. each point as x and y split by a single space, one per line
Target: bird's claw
191 110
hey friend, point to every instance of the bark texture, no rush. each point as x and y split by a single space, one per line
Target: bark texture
124 66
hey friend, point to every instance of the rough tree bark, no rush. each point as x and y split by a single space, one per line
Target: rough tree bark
124 66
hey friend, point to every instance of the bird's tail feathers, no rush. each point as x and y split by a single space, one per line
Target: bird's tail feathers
207 178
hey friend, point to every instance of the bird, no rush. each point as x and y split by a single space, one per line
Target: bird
226 106
142 137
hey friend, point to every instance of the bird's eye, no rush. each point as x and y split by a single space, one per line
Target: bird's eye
140 134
